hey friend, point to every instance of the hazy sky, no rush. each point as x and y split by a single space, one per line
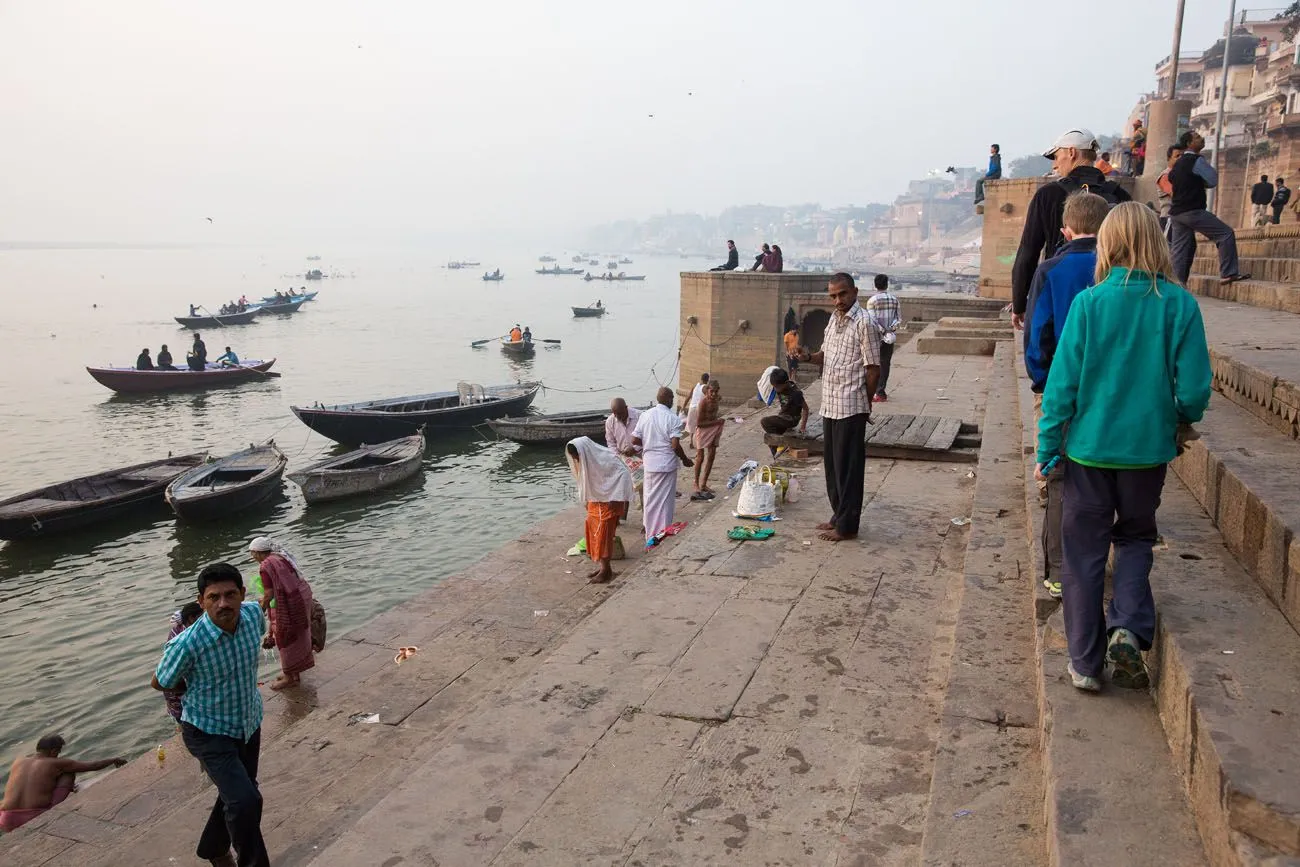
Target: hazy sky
135 120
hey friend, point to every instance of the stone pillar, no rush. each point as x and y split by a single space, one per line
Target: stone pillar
1005 204
1167 119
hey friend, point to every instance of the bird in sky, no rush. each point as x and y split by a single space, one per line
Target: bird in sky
209 219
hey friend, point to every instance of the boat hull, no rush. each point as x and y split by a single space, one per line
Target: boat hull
291 307
353 426
320 483
550 430
191 502
306 296
588 312
36 522
518 348
129 381
219 321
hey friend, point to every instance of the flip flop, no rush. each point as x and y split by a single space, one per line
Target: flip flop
744 534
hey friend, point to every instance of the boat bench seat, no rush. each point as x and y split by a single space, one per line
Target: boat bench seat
16 510
152 474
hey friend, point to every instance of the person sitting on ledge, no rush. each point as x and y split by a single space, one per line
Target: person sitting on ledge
794 407
40 781
144 362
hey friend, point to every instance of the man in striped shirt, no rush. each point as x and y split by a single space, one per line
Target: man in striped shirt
850 359
886 315
214 663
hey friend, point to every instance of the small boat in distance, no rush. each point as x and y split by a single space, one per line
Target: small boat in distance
296 296
518 348
551 430
545 258
378 421
558 270
495 277
315 274
313 258
625 261
366 469
611 264
589 312
282 306
128 380
215 321
91 500
229 485
609 275
577 260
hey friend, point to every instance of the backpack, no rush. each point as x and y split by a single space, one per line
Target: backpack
1107 189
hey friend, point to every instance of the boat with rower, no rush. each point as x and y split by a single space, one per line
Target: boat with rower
620 276
361 471
377 421
589 312
545 258
282 307
128 380
284 298
91 499
551 430
227 486
558 270
518 348
494 277
212 320
314 274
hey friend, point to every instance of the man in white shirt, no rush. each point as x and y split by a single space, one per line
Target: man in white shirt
658 434
850 359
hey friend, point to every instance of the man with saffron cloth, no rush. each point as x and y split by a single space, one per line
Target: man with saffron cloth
286 598
605 485
659 436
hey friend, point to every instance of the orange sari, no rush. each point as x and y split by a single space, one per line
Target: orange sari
602 524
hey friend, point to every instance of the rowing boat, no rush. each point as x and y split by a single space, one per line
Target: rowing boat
588 312
517 348
366 469
551 430
229 485
128 379
219 321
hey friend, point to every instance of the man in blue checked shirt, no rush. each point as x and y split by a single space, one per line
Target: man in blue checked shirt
214 663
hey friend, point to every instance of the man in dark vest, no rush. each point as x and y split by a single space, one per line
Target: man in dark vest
1190 177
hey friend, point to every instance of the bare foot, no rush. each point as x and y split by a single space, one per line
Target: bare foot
602 575
833 535
826 525
283 682
592 575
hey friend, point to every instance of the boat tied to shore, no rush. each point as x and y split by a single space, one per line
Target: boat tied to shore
366 469
227 486
93 499
377 421
551 430
128 380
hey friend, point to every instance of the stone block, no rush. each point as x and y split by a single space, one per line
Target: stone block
1230 516
1191 467
1291 591
1271 567
955 346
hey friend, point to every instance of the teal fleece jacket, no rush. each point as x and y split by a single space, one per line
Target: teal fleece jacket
1131 365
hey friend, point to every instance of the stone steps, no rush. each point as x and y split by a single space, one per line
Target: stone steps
1256 293
1259 267
1256 361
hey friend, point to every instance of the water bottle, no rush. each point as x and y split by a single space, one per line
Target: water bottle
162 755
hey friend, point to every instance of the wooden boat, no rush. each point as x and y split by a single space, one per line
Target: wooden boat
518 348
90 500
219 321
282 306
313 258
369 468
625 261
229 485
559 270
551 430
586 312
314 274
545 258
304 296
130 380
620 276
378 421
494 277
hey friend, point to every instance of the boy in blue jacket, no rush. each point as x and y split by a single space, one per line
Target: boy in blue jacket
1056 283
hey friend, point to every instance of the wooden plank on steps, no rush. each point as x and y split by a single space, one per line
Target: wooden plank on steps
919 431
944 435
889 429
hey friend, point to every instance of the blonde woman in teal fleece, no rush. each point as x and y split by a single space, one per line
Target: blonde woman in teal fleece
1131 366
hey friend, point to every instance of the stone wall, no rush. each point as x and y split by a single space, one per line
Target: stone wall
1005 204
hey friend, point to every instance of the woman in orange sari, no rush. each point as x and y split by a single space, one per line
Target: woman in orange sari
605 485
286 598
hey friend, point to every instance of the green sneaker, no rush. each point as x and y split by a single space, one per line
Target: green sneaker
1082 681
1128 671
1053 587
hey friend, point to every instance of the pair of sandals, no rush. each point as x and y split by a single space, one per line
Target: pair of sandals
702 496
748 534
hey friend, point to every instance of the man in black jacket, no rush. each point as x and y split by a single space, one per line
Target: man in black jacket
1261 196
1280 198
1190 177
1072 158
733 258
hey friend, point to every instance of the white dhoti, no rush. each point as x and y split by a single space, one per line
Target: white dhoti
660 501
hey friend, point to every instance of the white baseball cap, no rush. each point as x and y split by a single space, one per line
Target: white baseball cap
1082 139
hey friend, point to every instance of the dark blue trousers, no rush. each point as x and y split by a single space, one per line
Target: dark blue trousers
1100 509
236 818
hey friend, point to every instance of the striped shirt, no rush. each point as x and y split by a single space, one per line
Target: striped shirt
851 345
885 312
220 674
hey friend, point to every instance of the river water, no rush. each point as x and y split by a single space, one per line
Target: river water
83 616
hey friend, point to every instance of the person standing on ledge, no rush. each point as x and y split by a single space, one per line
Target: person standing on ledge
886 316
791 341
605 488
1261 196
287 601
733 258
659 437
850 359
1280 198
39 782
221 715
1072 156
1190 177
1132 365
994 171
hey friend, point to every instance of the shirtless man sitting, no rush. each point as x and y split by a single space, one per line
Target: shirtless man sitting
38 782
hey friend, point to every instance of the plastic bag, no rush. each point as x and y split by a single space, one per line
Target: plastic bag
757 494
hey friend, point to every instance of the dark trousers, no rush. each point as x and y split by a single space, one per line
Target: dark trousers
1052 553
1277 214
886 357
777 424
1104 508
1185 226
844 459
236 818
791 363
979 190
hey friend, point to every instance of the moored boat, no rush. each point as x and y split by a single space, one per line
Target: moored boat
378 421
130 380
229 485
519 348
587 312
91 500
366 469
221 321
551 430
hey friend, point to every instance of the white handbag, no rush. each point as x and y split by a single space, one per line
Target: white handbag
757 494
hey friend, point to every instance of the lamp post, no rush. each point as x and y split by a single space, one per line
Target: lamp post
1223 95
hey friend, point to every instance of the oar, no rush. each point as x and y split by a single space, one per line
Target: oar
487 340
556 342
